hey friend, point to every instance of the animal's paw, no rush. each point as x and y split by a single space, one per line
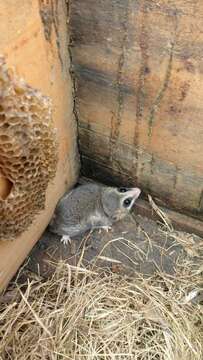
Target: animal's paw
66 239
106 228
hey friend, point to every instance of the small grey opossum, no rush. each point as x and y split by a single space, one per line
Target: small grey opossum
91 206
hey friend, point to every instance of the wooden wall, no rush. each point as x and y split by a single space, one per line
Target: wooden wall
138 67
34 42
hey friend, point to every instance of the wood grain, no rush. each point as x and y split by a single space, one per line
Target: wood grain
38 60
138 70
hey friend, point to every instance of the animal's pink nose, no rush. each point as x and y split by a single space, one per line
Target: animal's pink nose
134 192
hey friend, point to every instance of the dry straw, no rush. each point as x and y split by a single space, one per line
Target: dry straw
94 315
102 316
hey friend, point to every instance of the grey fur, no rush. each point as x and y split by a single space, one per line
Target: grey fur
89 206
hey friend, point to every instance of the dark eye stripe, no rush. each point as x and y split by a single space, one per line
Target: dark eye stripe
122 190
127 202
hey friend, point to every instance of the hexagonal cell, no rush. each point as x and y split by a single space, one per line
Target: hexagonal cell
5 187
27 146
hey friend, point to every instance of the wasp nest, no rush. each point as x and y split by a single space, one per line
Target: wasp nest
27 152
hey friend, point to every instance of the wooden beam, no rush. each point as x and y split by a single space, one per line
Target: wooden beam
38 53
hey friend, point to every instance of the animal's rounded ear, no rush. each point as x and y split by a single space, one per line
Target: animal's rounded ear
109 201
105 201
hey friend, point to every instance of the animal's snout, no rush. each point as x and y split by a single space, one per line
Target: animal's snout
134 192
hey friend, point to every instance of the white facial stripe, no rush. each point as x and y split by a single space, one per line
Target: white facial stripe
131 204
132 193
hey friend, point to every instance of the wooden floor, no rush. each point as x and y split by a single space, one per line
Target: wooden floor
137 243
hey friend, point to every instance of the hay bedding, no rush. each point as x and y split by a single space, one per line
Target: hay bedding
101 316
90 314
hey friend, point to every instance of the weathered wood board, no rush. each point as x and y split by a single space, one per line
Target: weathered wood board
138 67
34 42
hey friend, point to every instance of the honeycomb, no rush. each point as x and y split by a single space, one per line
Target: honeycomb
28 152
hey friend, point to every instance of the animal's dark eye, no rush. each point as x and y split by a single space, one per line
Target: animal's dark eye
122 190
127 202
